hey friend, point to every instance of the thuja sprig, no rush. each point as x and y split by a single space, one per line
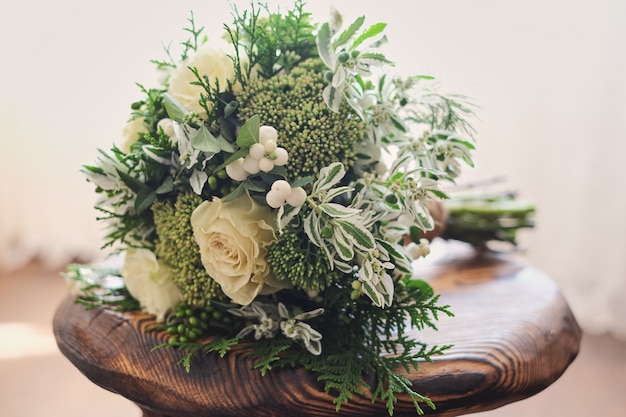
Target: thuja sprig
189 45
273 43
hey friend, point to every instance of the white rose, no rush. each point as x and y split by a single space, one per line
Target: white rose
233 237
212 62
132 132
149 282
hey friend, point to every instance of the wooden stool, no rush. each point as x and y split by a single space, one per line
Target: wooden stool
513 335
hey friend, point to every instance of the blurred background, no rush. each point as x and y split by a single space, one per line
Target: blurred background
548 78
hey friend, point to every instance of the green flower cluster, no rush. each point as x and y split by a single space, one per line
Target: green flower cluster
176 246
312 133
295 259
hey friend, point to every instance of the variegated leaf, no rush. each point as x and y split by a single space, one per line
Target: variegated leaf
312 229
329 176
360 236
373 294
342 244
324 46
349 33
335 210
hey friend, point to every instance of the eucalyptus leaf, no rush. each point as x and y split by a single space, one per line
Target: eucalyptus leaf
144 199
249 132
226 130
239 154
225 145
235 193
204 141
166 186
301 182
174 109
131 182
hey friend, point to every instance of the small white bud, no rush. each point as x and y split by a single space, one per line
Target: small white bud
297 197
168 127
267 133
282 187
257 151
235 170
380 168
266 164
270 146
274 199
281 157
251 165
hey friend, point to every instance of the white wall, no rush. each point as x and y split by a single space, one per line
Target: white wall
548 76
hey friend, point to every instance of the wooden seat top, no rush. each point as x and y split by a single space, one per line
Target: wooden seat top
513 335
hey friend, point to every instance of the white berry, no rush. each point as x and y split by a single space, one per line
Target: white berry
257 151
235 170
281 157
251 165
266 164
267 133
270 146
274 199
282 187
297 197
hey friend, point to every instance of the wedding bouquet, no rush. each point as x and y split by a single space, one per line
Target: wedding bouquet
275 190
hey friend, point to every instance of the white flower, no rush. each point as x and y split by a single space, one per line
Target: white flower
264 313
233 237
149 281
417 250
132 132
167 125
295 329
214 62
272 317
182 137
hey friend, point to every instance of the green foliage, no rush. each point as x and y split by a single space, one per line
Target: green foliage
294 259
483 218
93 285
273 43
191 44
313 134
451 112
268 353
176 246
115 177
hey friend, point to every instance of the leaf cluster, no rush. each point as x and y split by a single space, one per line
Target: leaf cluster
272 42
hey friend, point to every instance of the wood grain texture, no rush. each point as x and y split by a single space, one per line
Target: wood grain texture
513 335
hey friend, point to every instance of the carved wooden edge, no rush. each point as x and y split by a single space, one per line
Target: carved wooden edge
502 353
